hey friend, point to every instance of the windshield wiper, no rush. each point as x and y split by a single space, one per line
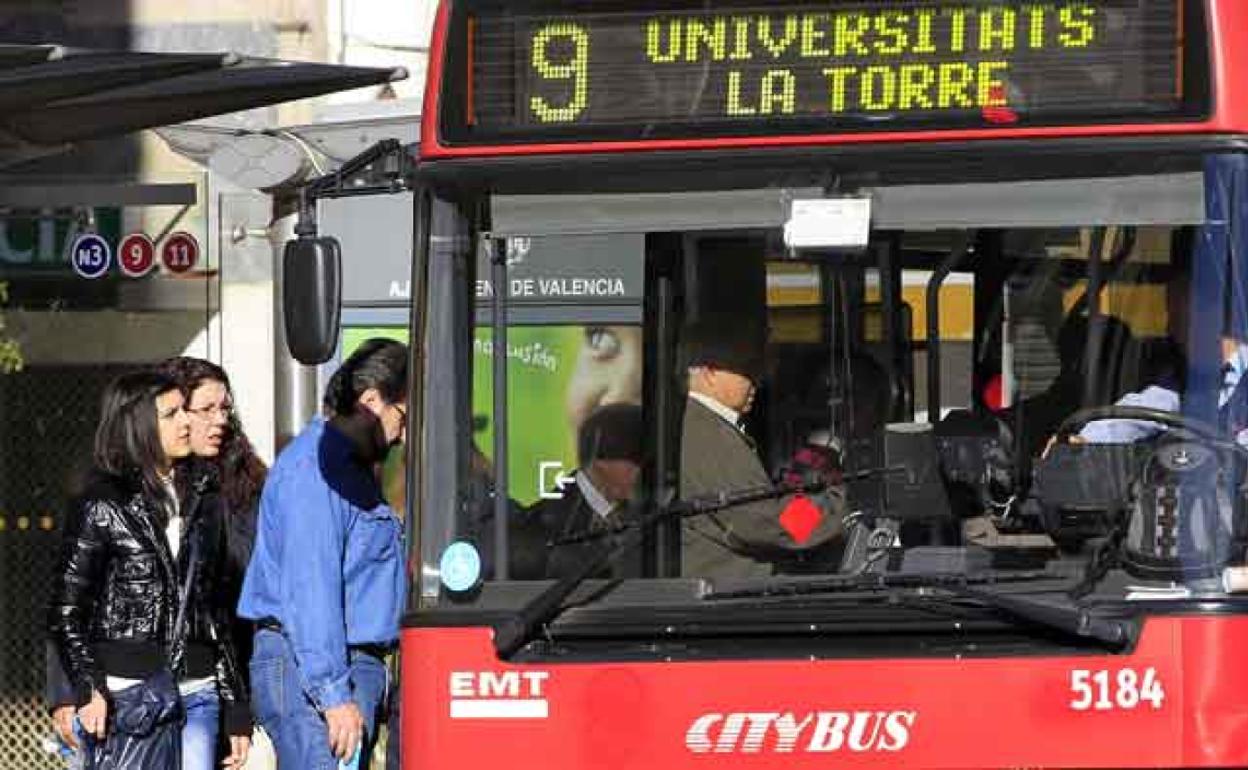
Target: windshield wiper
877 582
515 632
1069 620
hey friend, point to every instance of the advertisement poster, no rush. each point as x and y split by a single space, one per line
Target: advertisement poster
557 376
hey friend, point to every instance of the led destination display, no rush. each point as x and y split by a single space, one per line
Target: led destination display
840 66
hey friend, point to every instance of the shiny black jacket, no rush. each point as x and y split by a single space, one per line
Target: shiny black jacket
115 594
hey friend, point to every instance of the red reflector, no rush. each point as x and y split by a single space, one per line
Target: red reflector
993 396
998 111
799 518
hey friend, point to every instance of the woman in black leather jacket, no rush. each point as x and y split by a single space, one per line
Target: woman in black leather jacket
124 556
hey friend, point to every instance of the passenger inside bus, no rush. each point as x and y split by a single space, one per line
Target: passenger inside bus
724 364
610 460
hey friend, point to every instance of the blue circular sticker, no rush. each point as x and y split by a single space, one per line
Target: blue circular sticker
460 566
90 255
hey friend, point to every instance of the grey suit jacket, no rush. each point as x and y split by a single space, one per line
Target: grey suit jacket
744 540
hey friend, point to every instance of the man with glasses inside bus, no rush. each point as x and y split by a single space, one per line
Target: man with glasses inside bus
724 362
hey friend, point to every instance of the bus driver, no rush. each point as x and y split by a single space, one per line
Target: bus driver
724 366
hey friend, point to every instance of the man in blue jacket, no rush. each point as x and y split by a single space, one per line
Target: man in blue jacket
325 585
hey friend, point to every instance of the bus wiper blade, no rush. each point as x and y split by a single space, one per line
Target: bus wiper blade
518 630
877 582
1070 620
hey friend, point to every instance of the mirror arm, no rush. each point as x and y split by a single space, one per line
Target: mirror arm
387 158
305 224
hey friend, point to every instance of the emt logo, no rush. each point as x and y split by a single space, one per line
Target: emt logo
499 695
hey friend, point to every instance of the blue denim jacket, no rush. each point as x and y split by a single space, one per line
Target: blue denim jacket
328 560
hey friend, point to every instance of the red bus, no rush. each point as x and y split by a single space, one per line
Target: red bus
996 251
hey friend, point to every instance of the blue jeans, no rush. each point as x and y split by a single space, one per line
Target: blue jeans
199 732
298 730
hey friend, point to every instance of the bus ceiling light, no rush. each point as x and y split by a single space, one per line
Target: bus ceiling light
840 224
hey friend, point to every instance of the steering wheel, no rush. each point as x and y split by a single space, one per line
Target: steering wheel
1189 427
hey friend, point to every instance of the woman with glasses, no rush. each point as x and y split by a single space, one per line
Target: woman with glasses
220 449
133 609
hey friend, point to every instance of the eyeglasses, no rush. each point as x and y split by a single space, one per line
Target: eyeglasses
223 411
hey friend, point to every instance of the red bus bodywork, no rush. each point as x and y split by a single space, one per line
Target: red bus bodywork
931 713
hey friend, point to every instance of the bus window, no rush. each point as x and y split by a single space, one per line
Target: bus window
575 363
1046 334
1010 332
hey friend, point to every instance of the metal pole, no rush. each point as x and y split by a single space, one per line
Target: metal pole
890 326
1096 330
933 325
498 275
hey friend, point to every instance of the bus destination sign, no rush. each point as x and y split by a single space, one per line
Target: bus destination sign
818 67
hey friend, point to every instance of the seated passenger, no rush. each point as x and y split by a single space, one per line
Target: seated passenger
724 365
609 452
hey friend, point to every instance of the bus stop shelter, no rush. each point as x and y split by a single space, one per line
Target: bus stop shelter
52 98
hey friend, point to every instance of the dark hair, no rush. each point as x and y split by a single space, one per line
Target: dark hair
127 438
377 363
240 470
611 432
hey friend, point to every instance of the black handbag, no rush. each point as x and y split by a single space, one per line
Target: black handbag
146 724
146 729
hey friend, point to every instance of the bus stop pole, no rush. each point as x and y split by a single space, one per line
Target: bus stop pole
498 276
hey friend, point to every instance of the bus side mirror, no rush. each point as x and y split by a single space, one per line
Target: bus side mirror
311 297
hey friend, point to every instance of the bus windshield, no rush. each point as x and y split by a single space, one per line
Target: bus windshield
991 390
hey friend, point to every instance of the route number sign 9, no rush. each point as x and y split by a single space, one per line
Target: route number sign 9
136 255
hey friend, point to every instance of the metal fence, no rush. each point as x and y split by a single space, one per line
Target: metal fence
47 417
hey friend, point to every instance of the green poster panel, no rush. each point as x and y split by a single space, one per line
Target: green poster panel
556 376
